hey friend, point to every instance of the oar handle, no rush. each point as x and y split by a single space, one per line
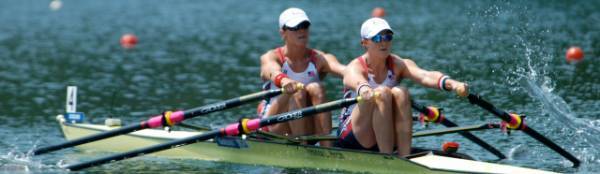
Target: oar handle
478 100
298 86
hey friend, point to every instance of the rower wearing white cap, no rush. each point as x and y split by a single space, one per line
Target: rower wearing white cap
294 63
385 121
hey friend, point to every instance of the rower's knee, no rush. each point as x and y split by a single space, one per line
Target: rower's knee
316 91
402 99
385 95
401 95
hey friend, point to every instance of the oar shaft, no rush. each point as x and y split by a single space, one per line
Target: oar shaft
475 99
143 151
475 140
159 120
232 130
87 139
446 122
234 102
456 130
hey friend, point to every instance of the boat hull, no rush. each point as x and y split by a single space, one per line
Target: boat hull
260 152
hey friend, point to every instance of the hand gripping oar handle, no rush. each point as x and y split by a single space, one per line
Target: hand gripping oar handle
167 118
244 126
446 122
476 99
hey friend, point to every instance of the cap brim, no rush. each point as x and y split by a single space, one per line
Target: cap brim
377 31
295 22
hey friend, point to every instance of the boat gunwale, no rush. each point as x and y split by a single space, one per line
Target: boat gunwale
387 156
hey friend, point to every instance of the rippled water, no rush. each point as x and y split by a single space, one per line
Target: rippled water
196 52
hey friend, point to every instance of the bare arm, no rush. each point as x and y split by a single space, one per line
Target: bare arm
334 66
421 76
330 64
270 69
355 79
354 75
431 79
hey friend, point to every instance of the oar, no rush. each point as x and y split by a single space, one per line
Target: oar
446 122
425 133
460 129
245 126
476 99
167 118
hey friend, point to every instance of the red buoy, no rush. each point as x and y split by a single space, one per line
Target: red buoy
128 41
378 12
574 54
450 147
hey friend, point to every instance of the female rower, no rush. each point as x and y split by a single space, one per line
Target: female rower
294 63
385 121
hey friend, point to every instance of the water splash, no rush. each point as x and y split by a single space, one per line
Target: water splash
518 152
17 162
581 132
585 133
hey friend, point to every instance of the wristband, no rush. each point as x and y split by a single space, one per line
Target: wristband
278 79
442 83
360 86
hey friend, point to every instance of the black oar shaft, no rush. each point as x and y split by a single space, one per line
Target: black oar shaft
142 151
191 113
279 118
234 102
456 130
475 140
87 139
446 122
475 99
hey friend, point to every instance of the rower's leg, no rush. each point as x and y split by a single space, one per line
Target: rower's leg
278 105
402 119
322 121
383 120
299 127
362 124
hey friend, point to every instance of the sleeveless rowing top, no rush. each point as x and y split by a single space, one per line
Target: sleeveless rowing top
390 81
310 74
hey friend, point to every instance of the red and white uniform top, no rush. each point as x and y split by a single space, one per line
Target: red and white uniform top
390 81
310 74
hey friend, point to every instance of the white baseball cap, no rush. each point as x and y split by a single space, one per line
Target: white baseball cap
292 17
372 27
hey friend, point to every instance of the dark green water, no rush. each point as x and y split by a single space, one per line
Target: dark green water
195 52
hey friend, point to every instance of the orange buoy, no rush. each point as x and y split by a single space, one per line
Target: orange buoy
128 41
450 147
378 12
574 54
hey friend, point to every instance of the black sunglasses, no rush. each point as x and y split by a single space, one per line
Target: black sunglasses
302 26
